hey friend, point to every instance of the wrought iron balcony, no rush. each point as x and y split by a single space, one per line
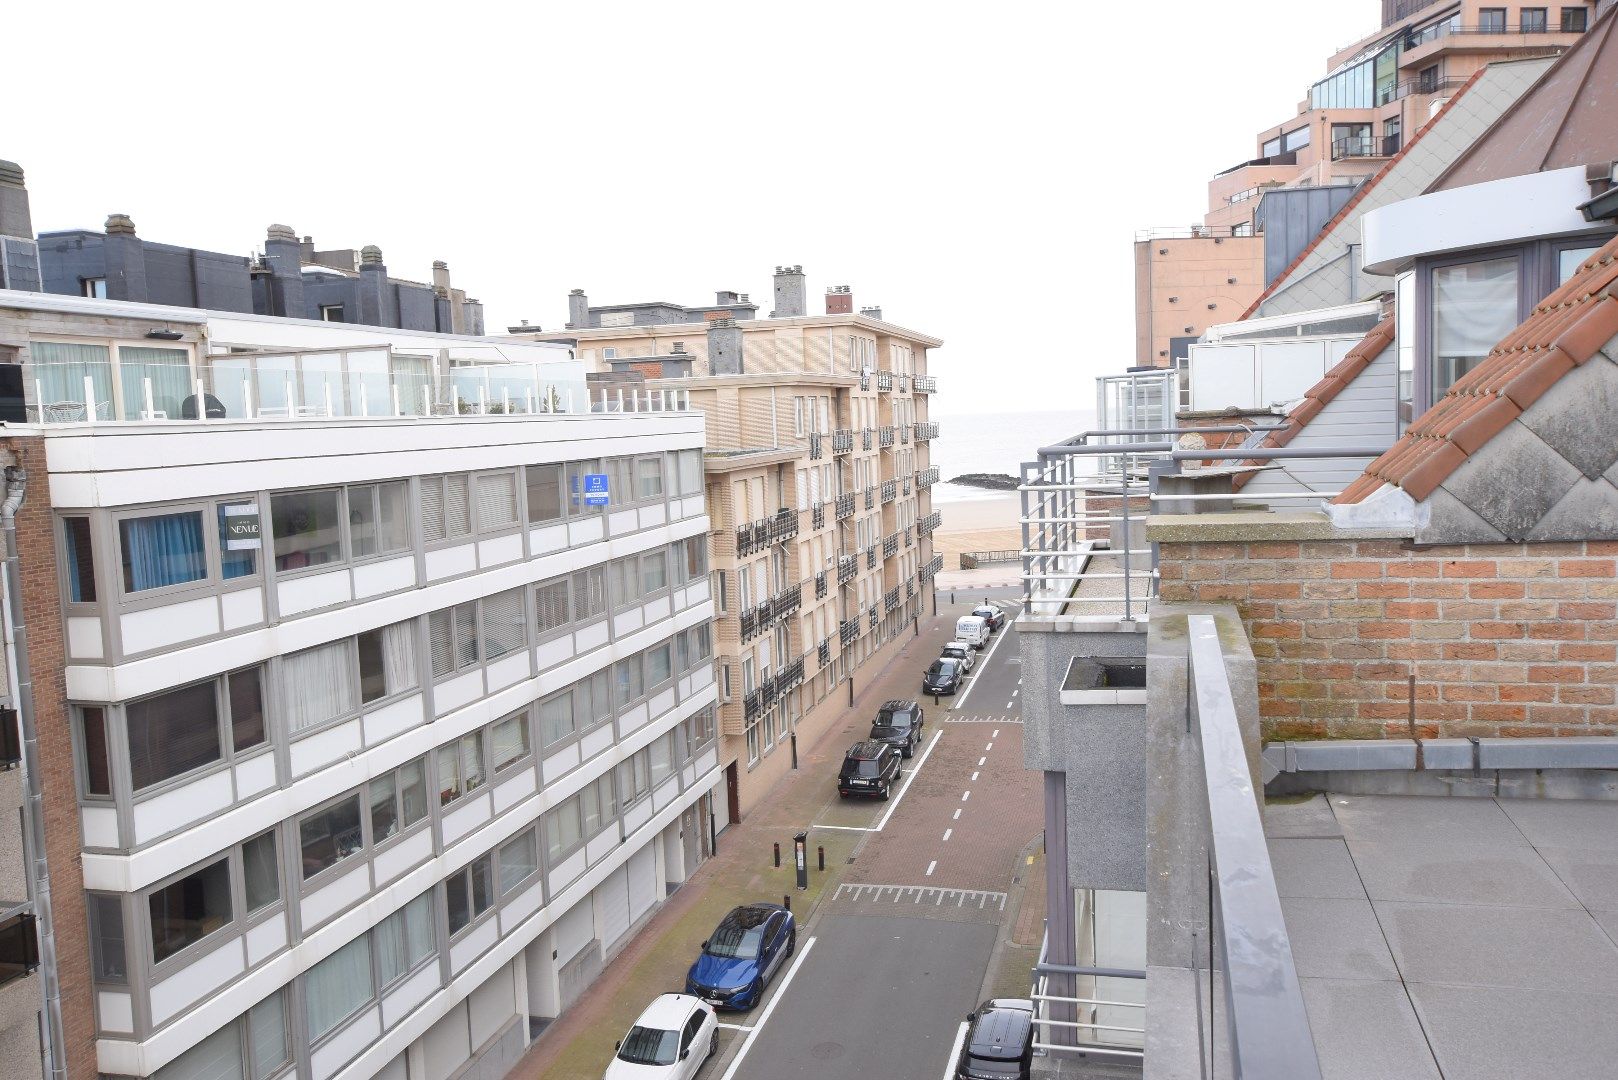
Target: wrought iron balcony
890 599
910 589
790 676
890 491
932 568
924 384
927 431
816 450
890 545
884 380
904 384
865 380
744 540
845 506
823 653
904 483
871 613
870 497
927 524
753 706
820 585
842 442
886 436
865 438
910 536
817 516
847 567
870 557
848 630
927 478
783 526
749 621
787 601
771 689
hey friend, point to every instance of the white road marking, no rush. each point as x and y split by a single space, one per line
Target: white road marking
955 1050
960 700
1011 704
1014 693
895 804
986 749
764 1017
917 893
965 795
946 833
996 735
957 816
981 760
734 1027
931 867
974 778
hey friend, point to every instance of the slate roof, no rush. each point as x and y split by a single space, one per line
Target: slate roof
1569 327
1323 392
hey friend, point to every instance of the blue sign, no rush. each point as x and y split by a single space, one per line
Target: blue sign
595 489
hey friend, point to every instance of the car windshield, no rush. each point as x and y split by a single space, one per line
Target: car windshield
892 721
942 667
650 1046
732 942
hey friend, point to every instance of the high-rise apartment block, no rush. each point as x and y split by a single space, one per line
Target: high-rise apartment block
818 475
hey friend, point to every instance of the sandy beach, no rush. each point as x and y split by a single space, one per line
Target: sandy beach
986 524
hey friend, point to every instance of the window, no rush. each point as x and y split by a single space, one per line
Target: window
589 593
659 665
688 471
93 731
563 830
239 534
339 986
626 680
188 910
654 571
661 758
721 592
81 570
609 353
319 685
452 635
108 957
469 893
445 507
1474 306
621 481
634 779
1575 20
575 472
460 767
267 1048
1271 148
556 718
307 530
625 574
379 518
162 550
597 805
497 501
1569 259
551 607
387 661
503 624
519 859
509 741
329 836
172 733
398 800
93 287
544 493
1296 139
404 939
1492 20
331 313
1533 21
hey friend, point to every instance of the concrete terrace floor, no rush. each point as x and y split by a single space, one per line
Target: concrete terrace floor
1459 938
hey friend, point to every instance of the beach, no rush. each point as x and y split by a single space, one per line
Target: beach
986 523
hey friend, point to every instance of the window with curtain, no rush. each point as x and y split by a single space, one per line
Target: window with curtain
504 624
308 529
690 471
621 481
589 593
260 871
519 860
460 767
452 639
1569 259
218 1057
556 718
188 910
696 557
267 1043
659 665
544 493
634 779
338 987
551 607
404 939
562 830
497 501
654 571
162 550
1474 306
445 507
327 837
172 733
596 802
61 368
625 575
241 561
626 678
649 477
661 753
509 741
318 685
81 570
387 659
398 800
379 518
166 371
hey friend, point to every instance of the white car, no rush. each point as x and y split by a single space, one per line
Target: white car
670 1041
960 650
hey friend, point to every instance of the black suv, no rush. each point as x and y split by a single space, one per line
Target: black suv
943 676
869 768
991 615
1000 1043
898 723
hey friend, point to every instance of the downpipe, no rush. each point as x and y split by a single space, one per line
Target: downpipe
33 802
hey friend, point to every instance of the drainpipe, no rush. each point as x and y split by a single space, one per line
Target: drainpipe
33 801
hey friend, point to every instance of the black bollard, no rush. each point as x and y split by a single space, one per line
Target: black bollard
821 849
778 855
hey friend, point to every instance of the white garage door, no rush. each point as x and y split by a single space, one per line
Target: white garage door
613 897
643 888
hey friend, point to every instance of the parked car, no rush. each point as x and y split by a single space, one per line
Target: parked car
869 768
991 615
999 1041
672 1039
943 677
898 723
972 629
960 650
744 953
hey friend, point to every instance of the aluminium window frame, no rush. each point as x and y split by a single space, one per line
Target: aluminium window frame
116 716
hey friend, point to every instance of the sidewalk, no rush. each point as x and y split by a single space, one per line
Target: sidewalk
579 1043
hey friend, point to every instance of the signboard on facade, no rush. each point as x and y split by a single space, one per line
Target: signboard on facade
242 530
595 489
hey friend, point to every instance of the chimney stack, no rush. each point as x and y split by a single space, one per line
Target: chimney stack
578 310
283 254
724 347
126 260
373 287
839 300
871 312
791 299
19 251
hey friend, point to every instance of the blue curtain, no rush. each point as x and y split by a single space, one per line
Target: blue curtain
163 550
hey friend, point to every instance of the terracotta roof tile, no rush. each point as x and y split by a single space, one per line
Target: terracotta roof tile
1564 331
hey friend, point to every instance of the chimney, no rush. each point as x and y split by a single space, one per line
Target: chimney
725 298
373 287
283 254
791 301
839 300
443 310
871 312
126 260
724 347
578 310
306 250
19 251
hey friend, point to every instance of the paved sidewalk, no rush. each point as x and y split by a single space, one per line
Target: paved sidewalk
579 1044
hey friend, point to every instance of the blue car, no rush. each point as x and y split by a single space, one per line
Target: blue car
744 953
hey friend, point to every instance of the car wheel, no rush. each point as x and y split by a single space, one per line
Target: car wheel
713 1043
908 751
887 789
792 943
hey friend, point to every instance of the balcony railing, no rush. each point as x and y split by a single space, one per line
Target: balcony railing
870 557
875 619
931 569
865 380
904 482
870 497
904 384
890 545
927 431
749 621
886 437
910 589
1364 146
890 491
884 380
842 442
745 544
753 706
820 585
925 384
790 676
845 506
823 653
787 601
783 526
932 521
847 567
19 947
904 434
817 516
890 599
848 630
927 477
816 450
865 438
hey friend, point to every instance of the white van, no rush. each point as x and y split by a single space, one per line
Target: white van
972 629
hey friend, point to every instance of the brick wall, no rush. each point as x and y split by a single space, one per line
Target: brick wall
42 614
1503 639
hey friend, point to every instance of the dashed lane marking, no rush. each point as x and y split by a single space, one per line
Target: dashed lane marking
981 760
974 778
988 748
931 867
1014 693
957 816
977 898
734 1027
1011 704
946 834
965 795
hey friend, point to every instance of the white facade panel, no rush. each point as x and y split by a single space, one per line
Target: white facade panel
499 550
566 872
84 639
404 855
242 608
378 578
100 826
474 944
643 886
547 654
507 671
180 806
115 1012
337 896
160 627
265 939
508 793
612 900
409 994
393 719
323 748
523 904
296 595
560 763
347 1044
591 637
474 812
548 539
255 776
601 845
451 561
451 694
588 531
573 931
195 981
595 741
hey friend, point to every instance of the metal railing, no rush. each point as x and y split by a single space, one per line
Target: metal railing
848 630
870 557
842 442
823 653
816 450
870 497
19 946
927 477
890 491
927 431
931 569
817 516
884 380
866 435
931 522
971 560
925 384
885 436
890 599
783 526
845 506
847 567
1070 1032
820 585
890 545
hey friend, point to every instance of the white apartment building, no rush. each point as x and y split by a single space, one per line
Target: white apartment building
385 729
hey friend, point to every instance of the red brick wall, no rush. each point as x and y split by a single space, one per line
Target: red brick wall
42 613
1503 639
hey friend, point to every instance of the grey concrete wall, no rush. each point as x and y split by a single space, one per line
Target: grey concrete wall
1291 217
1046 650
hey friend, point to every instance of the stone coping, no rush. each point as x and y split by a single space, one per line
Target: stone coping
1257 525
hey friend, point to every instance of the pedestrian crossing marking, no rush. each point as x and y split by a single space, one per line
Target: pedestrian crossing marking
982 719
919 894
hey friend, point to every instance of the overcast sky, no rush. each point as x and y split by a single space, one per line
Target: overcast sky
978 170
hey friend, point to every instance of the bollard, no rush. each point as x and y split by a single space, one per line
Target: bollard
935 699
952 597
851 691
800 858
786 902
794 751
915 621
778 855
821 851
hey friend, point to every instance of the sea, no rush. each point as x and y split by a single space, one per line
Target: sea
996 443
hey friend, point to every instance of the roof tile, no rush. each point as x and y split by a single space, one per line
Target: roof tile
1530 384
1484 424
1585 339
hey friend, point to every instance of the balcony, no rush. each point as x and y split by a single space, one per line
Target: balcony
927 478
931 569
871 613
790 676
890 600
19 947
910 589
865 439
884 380
870 557
1365 146
842 442
904 384
823 653
847 631
931 522
927 431
746 544
820 585
886 437
865 380
890 545
904 482
749 621
817 516
787 601
753 706
890 491
1424 47
847 567
904 434
816 449
783 526
870 497
925 384
910 536
845 506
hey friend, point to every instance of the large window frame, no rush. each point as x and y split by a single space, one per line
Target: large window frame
240 921
123 402
257 737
